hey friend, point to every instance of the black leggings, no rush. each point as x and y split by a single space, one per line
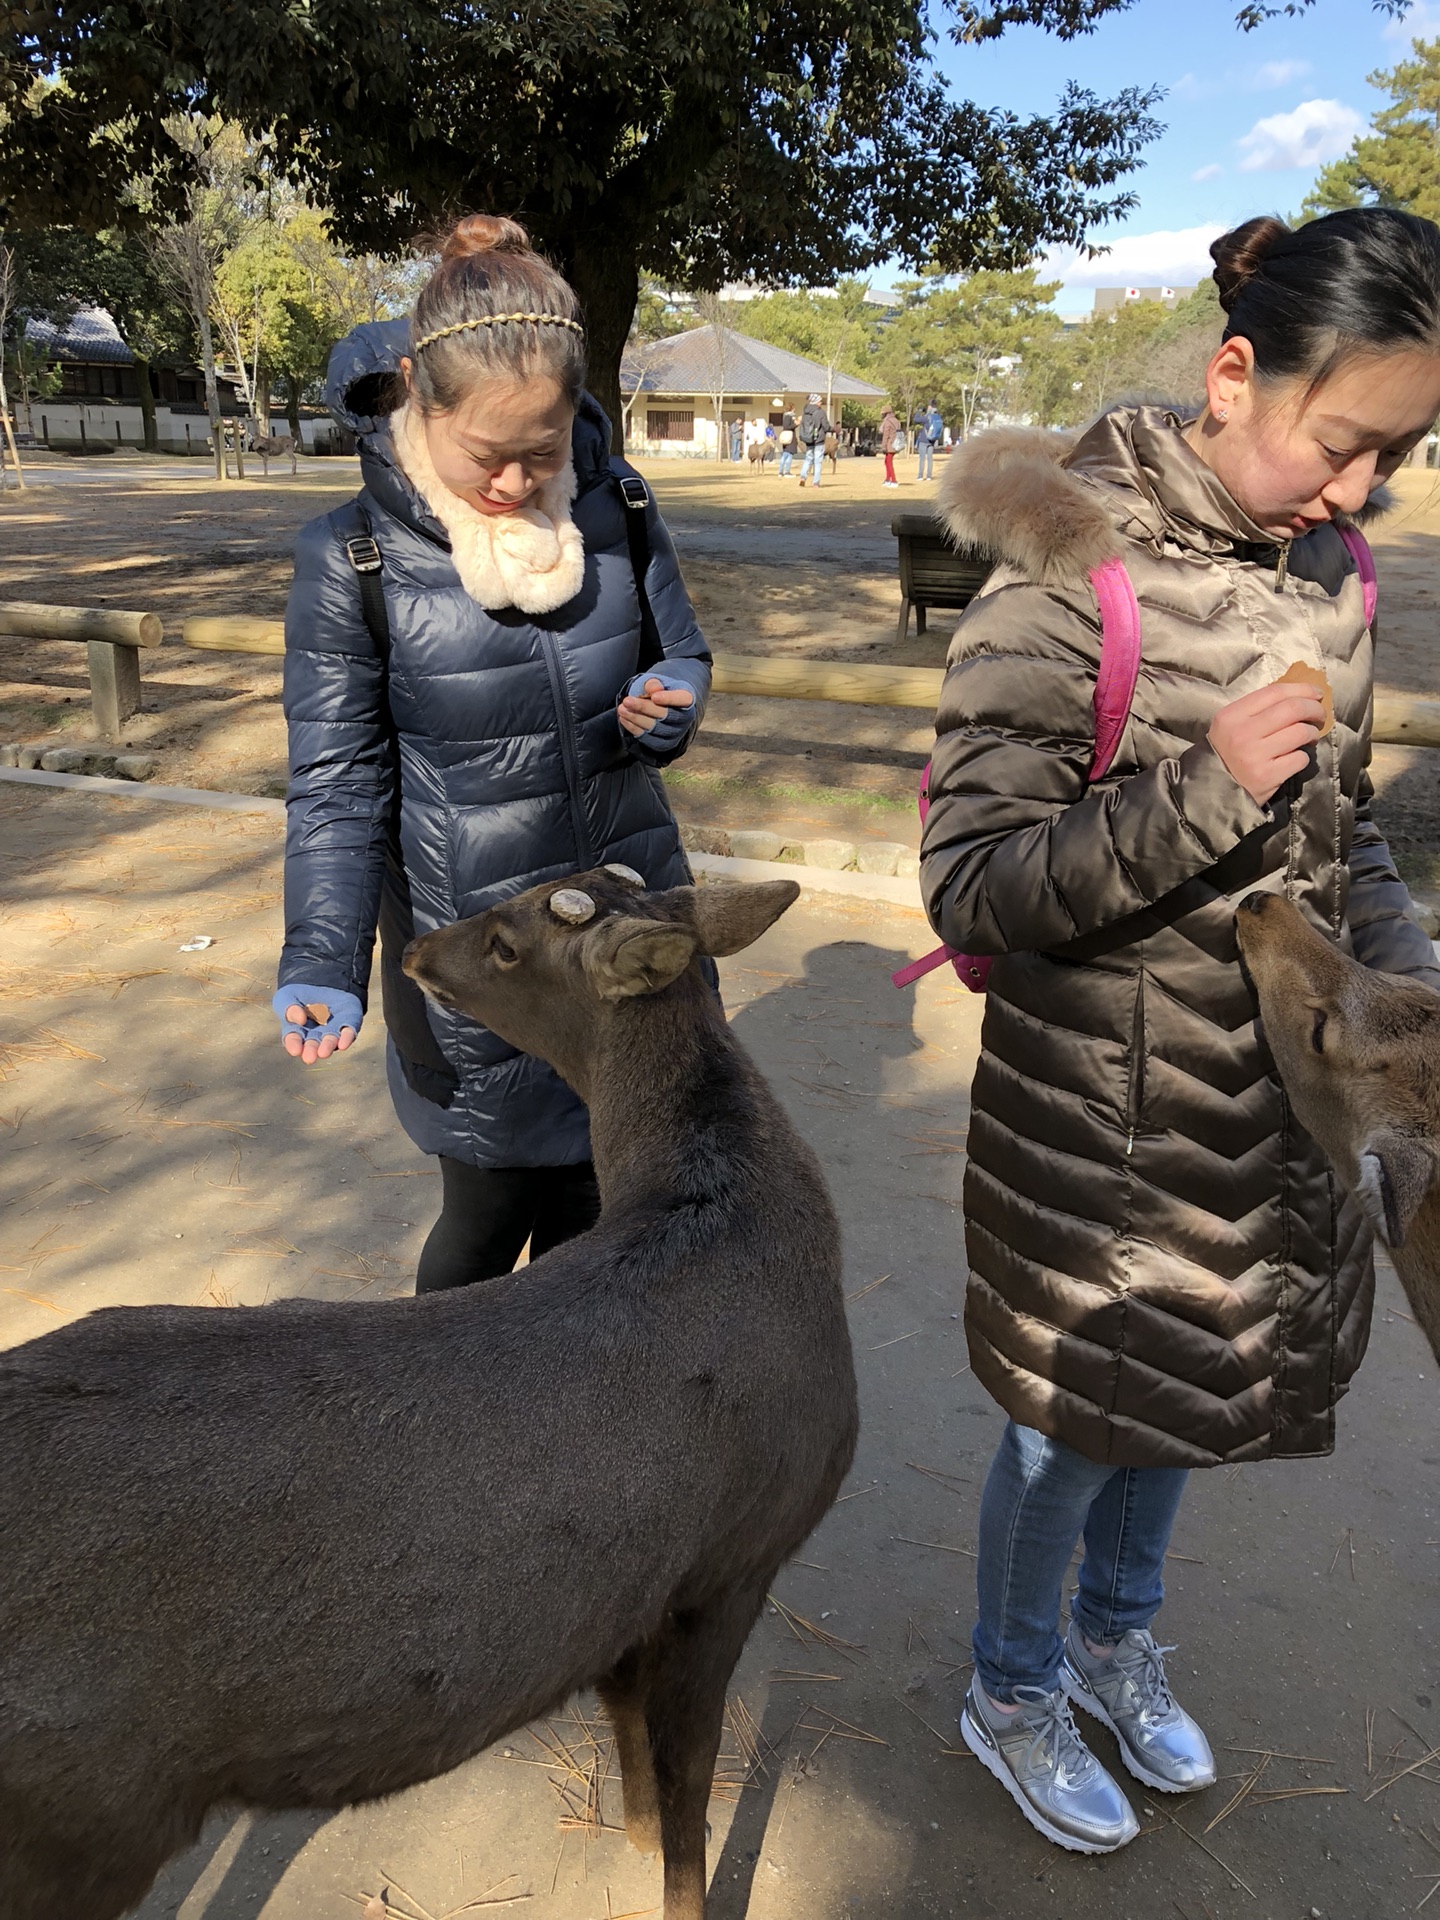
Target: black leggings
488 1213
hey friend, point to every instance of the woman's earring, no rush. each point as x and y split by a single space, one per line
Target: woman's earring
1223 413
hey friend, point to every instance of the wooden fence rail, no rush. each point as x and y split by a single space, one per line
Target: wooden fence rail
1401 719
112 642
114 638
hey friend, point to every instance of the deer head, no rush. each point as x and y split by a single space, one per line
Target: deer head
1359 1055
551 969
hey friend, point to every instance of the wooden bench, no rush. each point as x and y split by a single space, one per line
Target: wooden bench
933 571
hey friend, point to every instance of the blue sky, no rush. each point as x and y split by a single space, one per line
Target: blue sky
1249 118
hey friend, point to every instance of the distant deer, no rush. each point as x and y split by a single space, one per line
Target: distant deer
1359 1055
274 446
306 1555
759 452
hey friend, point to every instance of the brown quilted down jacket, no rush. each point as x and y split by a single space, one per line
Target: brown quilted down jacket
1163 1270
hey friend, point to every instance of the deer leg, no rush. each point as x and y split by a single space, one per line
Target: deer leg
623 1696
684 1708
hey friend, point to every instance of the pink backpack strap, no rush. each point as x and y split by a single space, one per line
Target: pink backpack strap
1119 661
1365 566
1114 695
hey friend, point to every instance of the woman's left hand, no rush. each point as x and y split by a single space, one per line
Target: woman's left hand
641 712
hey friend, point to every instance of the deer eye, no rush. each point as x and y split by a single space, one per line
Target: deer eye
501 950
1317 1031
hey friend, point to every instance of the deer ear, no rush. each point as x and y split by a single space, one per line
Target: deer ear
728 918
1396 1173
626 957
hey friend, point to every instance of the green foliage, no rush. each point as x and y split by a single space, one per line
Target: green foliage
1140 351
1396 164
704 142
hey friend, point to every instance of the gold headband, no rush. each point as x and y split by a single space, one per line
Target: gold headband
499 320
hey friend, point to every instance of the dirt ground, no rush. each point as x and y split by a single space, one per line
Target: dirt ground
774 570
159 1147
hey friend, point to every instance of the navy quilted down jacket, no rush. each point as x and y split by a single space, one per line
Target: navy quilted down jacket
483 758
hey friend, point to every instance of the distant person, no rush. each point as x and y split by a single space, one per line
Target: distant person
787 443
929 432
454 642
891 435
1165 1273
737 441
814 430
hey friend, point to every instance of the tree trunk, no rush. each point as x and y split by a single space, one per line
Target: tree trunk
606 276
292 407
212 390
262 400
147 402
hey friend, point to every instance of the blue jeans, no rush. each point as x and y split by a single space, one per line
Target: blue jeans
1040 1496
787 460
814 456
926 468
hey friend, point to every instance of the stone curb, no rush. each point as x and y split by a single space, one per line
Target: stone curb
893 891
888 888
143 790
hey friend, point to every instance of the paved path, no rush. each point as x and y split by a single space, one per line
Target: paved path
158 1148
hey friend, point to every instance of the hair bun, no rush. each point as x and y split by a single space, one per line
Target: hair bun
1240 254
484 233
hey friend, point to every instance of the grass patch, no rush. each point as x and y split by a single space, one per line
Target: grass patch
721 786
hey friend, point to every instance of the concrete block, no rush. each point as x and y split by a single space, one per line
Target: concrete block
1428 914
907 863
66 760
704 839
792 853
28 757
836 855
755 843
9 756
877 856
135 766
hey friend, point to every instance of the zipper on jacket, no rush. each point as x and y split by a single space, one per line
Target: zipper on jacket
1282 568
569 750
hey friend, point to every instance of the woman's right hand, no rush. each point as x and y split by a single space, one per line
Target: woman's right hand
307 1037
1266 736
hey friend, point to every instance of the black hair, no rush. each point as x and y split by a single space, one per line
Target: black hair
1365 280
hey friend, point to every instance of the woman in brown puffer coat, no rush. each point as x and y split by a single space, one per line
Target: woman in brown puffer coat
1164 1272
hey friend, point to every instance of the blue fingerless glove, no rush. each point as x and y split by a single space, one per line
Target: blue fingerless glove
666 734
345 1010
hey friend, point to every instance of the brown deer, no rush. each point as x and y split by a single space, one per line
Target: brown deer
1358 1053
304 1556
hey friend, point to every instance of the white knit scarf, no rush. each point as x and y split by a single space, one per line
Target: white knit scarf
533 558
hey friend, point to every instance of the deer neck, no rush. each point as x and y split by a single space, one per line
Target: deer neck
666 1085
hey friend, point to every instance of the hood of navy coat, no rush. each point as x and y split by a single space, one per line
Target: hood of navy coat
359 382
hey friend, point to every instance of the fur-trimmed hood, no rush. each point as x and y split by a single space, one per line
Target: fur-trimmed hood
1056 505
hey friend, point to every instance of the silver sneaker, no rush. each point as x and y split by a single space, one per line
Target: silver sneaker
1037 1755
1127 1691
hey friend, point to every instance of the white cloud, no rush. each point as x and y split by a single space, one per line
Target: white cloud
1420 23
1174 258
1212 172
1276 73
1317 131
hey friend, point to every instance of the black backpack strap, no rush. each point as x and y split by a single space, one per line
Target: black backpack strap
635 498
352 525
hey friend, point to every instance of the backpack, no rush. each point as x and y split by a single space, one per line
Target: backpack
1114 691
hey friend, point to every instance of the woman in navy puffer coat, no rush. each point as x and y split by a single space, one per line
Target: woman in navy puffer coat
447 751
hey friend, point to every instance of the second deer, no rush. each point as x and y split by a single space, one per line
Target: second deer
1358 1053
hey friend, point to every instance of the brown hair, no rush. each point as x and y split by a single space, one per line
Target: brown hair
493 309
1364 280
